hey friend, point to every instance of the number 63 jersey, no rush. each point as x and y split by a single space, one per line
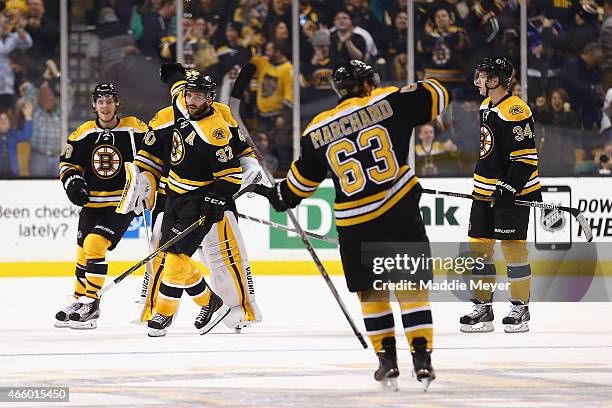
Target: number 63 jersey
364 142
507 149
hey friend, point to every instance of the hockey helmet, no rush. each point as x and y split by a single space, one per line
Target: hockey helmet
500 67
104 89
198 82
347 79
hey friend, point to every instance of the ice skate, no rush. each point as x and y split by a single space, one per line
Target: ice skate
421 359
388 371
517 320
158 325
86 316
62 318
211 314
479 320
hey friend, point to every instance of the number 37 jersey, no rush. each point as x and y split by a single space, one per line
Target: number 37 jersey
364 143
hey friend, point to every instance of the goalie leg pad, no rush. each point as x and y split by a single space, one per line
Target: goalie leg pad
225 254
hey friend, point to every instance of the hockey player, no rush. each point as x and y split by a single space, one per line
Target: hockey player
364 142
507 168
223 249
92 173
203 174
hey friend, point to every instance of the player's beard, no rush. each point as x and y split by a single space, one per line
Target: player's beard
197 112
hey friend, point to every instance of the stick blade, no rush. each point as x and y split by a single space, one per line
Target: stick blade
242 82
586 228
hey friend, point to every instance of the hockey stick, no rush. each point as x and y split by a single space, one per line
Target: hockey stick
285 228
199 222
586 228
241 83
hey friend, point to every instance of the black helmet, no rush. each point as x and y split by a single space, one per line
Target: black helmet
104 89
500 67
347 79
198 82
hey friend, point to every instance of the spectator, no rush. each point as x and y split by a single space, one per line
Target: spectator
318 93
434 158
394 46
443 46
515 88
148 8
280 10
47 138
213 33
232 52
44 30
559 111
155 26
281 34
606 120
252 30
345 44
12 141
9 41
363 16
262 142
582 79
274 77
605 39
461 123
571 43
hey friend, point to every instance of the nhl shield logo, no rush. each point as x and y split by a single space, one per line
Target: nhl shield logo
552 220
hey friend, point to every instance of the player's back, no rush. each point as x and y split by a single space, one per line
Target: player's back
364 142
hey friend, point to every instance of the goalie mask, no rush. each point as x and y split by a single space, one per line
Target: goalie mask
348 79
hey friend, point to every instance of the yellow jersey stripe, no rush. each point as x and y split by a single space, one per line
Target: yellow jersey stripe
530 189
484 179
101 205
297 191
434 99
151 157
177 189
384 208
177 87
483 192
522 152
232 179
147 167
196 183
74 166
532 162
306 182
369 199
232 170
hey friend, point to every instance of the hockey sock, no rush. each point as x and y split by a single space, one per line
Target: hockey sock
176 273
378 319
95 247
196 286
80 286
417 321
483 278
519 270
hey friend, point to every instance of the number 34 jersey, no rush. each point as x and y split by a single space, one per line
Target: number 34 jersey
364 142
507 149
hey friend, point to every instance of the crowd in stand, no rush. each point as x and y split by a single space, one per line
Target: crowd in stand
569 66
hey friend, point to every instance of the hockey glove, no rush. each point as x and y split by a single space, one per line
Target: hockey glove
213 208
503 195
171 72
76 190
274 196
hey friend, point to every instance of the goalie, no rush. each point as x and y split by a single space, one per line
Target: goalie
222 249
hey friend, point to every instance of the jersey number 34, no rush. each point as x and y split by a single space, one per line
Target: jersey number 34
342 157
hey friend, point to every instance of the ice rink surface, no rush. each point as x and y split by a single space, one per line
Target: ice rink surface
303 354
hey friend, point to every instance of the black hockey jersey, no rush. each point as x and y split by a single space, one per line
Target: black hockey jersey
98 155
507 149
365 143
167 139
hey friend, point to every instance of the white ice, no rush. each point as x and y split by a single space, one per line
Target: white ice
303 354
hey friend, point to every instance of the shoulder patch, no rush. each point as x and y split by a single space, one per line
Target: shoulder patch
163 118
133 122
83 130
409 88
514 110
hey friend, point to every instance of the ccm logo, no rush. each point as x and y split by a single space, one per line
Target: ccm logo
214 201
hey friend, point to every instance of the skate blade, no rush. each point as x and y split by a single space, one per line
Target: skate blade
389 384
425 378
62 324
221 313
482 327
517 328
156 332
88 325
237 330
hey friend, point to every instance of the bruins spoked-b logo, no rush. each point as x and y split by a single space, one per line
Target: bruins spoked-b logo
106 161
178 148
552 220
486 141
